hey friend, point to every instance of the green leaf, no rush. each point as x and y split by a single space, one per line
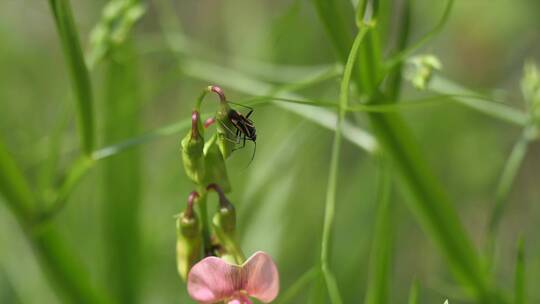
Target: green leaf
80 79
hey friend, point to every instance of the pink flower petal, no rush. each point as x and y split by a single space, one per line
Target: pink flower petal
262 277
213 280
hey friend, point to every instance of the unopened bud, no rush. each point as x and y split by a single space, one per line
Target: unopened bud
189 248
193 150
224 224
216 171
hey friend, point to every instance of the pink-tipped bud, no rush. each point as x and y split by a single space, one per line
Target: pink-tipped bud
218 91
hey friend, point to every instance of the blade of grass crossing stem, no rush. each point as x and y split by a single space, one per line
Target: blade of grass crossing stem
299 285
121 180
63 269
519 284
80 78
381 253
414 293
429 202
332 179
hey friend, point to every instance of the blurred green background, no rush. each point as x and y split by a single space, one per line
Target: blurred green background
280 196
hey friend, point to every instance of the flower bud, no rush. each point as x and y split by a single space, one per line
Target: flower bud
216 171
192 150
421 70
224 224
189 248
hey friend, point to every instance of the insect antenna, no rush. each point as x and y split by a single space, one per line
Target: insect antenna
253 155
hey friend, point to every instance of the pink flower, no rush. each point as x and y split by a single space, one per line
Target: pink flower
214 280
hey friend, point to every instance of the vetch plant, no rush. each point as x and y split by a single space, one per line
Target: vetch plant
209 256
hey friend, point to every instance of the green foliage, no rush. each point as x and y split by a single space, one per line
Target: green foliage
100 221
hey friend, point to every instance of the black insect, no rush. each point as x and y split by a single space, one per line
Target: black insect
245 129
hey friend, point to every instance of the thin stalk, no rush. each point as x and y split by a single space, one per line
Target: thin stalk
381 252
511 168
80 78
334 164
202 203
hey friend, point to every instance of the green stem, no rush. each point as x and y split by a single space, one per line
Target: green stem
80 77
121 175
334 163
203 212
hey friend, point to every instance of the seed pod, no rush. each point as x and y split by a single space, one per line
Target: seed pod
192 150
189 248
216 171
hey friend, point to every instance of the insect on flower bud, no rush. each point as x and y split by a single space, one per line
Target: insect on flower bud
189 249
192 150
226 136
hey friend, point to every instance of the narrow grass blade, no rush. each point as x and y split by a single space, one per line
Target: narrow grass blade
520 296
378 290
122 177
80 78
444 86
299 285
506 181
